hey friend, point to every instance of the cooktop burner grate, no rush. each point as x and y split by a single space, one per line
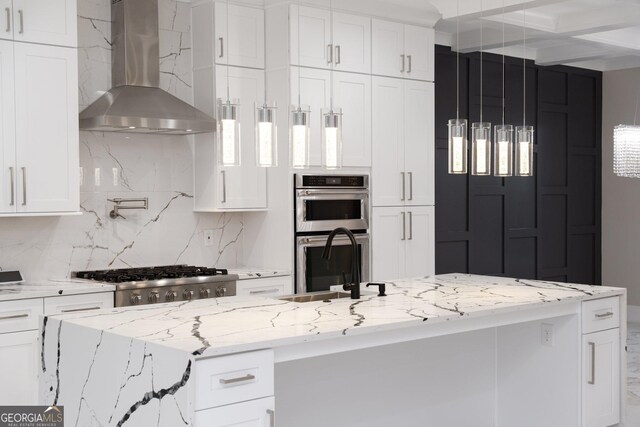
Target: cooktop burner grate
122 275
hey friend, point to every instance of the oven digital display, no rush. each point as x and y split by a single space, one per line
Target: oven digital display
333 181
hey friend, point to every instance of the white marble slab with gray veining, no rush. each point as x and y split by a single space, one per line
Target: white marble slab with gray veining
51 288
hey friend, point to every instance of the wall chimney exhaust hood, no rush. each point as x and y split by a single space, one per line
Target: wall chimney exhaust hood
136 103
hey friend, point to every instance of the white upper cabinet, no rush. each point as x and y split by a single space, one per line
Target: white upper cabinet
313 27
52 22
243 46
6 20
400 50
352 93
403 142
7 130
351 43
46 105
350 49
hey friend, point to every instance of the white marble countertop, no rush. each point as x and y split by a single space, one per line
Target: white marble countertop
51 288
245 273
233 324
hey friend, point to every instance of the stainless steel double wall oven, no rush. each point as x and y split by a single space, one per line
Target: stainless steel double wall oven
323 203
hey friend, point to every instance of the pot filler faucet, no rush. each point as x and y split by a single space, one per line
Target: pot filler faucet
354 287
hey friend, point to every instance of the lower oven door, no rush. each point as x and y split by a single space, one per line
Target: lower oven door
315 274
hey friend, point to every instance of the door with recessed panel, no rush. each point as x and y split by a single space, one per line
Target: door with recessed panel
7 130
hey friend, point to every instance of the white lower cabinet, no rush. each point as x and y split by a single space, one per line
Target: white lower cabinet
265 287
254 413
403 242
18 368
601 378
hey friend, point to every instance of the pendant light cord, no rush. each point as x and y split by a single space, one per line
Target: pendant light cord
227 35
503 86
331 35
265 56
458 60
481 25
524 66
298 30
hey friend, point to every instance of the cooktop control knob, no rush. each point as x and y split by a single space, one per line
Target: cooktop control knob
170 296
188 294
154 297
220 291
136 299
205 293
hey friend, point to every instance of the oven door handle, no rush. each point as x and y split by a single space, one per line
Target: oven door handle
337 239
336 193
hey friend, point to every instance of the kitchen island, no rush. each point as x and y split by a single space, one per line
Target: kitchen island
447 350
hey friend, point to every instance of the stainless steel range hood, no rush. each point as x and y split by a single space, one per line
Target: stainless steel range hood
136 103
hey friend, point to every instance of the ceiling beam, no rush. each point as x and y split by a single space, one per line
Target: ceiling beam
471 10
570 53
590 21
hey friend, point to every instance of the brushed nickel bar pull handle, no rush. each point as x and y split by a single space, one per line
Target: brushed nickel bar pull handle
14 316
337 54
409 69
73 310
264 291
402 60
13 187
247 377
404 226
593 363
221 40
403 187
24 186
272 417
329 53
410 225
21 14
224 186
410 185
604 315
8 12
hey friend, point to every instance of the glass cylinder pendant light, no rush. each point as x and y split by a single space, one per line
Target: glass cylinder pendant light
332 139
266 135
503 151
229 132
228 135
524 151
481 131
299 137
458 127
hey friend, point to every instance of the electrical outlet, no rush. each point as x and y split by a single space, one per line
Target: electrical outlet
546 334
208 237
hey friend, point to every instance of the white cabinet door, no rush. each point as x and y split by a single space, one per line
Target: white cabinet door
315 92
420 243
313 27
7 130
52 22
245 186
18 368
419 142
352 92
244 44
418 46
46 93
388 183
389 234
352 43
265 287
601 378
6 20
387 47
255 413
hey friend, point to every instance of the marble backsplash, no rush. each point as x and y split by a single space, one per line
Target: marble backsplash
120 165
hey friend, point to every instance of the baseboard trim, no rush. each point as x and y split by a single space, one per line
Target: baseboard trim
633 313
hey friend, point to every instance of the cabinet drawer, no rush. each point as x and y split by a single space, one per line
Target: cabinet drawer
20 315
75 303
269 287
231 379
256 413
600 314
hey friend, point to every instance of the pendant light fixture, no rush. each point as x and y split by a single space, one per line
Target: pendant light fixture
331 123
626 147
299 133
524 133
458 127
266 127
481 131
228 136
503 133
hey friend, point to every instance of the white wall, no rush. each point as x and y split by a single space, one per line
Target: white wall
157 167
620 196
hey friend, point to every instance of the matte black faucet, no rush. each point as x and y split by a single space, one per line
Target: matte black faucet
354 287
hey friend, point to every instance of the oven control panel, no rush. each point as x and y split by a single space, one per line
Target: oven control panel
349 181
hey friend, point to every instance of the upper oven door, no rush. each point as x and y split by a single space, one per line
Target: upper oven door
327 209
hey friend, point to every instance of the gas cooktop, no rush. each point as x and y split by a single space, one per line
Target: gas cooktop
123 275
